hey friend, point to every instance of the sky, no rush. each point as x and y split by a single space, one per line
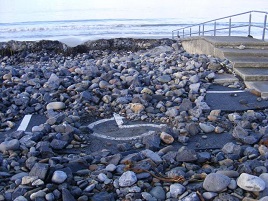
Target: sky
44 10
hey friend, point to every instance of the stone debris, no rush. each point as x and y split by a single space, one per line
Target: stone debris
154 81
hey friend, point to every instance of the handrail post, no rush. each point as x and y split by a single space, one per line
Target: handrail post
190 31
199 30
203 29
215 28
249 24
264 27
230 25
183 33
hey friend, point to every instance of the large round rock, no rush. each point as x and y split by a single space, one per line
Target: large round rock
215 182
250 182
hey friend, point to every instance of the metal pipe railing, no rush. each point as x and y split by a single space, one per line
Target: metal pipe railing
216 28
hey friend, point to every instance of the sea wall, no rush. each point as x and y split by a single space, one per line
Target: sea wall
55 47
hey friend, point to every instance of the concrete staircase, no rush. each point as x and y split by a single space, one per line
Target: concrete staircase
249 57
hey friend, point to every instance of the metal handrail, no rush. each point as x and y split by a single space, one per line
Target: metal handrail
181 32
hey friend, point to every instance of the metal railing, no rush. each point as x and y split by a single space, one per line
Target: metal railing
227 26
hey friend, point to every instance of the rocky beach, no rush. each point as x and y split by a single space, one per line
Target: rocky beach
145 80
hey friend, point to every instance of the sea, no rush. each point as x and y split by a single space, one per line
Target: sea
82 20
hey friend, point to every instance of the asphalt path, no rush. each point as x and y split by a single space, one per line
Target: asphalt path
218 97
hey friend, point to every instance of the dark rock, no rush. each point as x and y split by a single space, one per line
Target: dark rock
192 128
113 159
67 196
225 196
79 164
103 196
45 150
40 170
186 155
185 105
58 144
152 142
19 191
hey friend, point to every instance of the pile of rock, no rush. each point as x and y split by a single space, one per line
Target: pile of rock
162 84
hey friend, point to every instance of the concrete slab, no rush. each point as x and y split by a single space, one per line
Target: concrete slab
252 74
234 40
260 87
231 100
230 52
250 62
225 79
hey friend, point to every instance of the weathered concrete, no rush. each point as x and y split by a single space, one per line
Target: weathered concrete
249 56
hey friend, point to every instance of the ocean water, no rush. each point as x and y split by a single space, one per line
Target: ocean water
81 20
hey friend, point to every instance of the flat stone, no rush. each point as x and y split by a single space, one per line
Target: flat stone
58 144
164 78
185 154
40 170
152 155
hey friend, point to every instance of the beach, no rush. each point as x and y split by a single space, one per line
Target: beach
73 83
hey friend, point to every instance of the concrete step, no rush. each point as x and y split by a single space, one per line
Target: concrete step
235 52
259 88
249 57
249 61
236 41
252 74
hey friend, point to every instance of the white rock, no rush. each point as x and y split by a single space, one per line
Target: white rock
128 178
56 106
59 177
28 179
90 187
37 194
110 167
207 128
176 189
250 182
234 116
194 79
194 87
102 177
